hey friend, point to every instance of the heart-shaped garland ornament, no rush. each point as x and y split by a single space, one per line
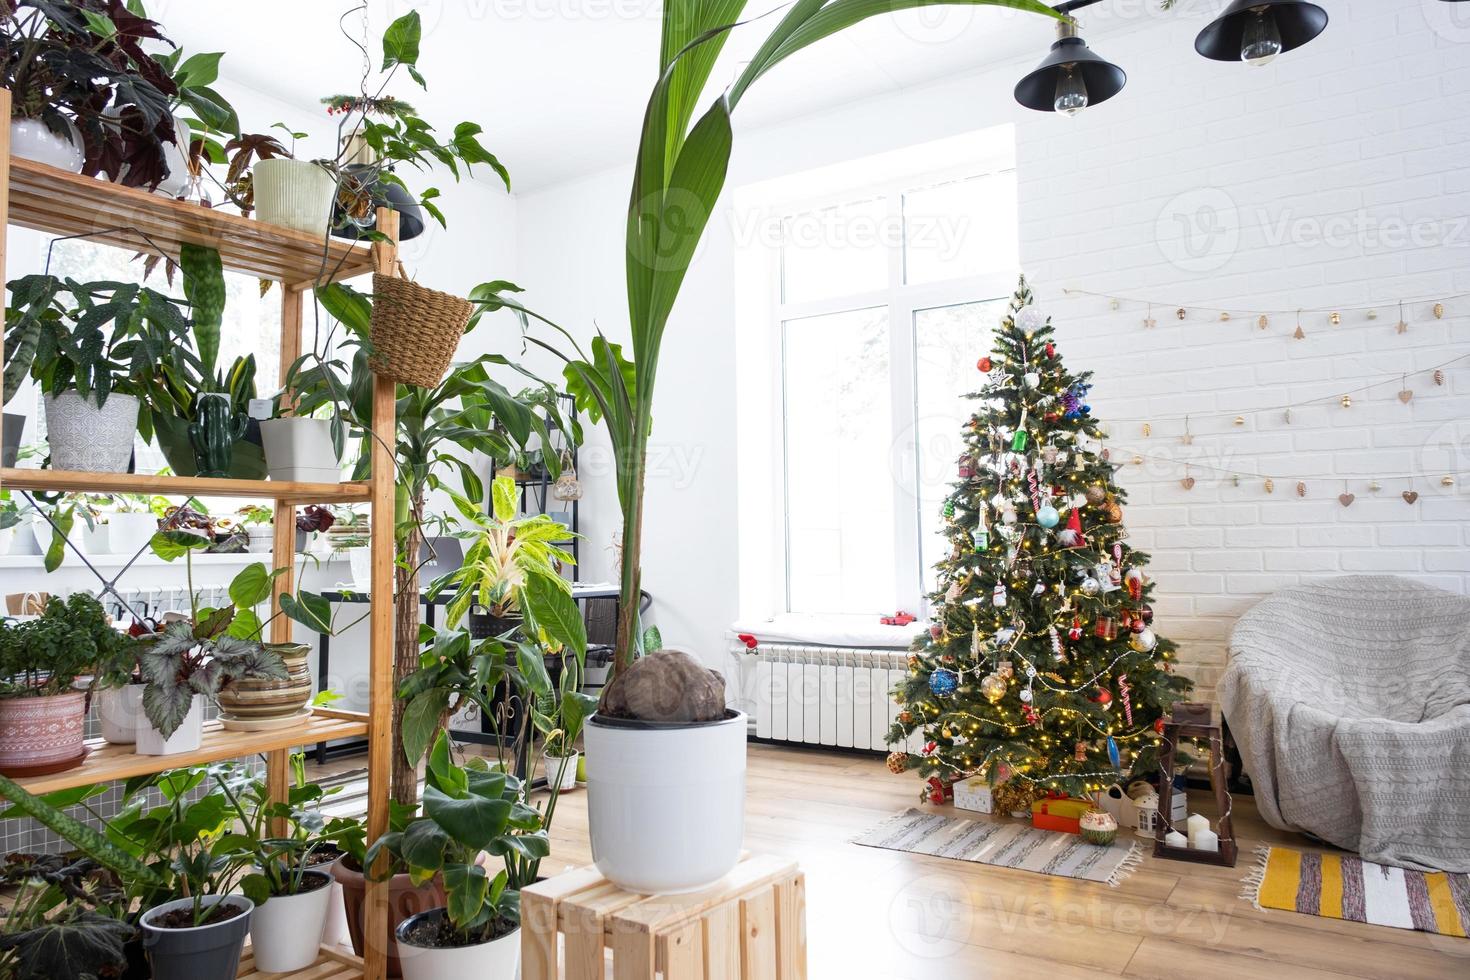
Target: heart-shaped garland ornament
1405 396
1187 483
1411 496
1346 499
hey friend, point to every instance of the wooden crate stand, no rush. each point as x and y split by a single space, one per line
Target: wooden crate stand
750 926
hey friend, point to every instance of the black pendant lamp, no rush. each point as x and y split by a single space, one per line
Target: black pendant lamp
1071 76
1256 31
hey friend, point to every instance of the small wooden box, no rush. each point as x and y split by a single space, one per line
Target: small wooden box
749 926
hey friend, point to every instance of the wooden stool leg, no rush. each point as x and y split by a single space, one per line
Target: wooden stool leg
758 936
681 953
791 929
584 946
632 955
538 938
722 943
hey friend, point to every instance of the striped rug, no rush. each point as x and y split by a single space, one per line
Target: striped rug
1345 887
1005 843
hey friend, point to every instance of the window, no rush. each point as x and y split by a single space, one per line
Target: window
885 298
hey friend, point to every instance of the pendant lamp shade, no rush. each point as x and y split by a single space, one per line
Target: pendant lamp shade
1297 21
1104 79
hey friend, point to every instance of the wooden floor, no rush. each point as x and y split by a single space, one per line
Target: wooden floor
885 915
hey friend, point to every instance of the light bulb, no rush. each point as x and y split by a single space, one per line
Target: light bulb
1071 91
1261 42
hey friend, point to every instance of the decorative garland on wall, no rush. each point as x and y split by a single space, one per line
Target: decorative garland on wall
1264 319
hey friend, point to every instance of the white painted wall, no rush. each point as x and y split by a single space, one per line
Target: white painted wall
1367 122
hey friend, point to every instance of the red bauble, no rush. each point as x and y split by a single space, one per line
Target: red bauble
1146 614
1159 726
1103 697
984 364
1051 350
1052 416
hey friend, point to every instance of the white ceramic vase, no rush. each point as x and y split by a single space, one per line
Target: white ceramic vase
497 960
300 450
665 802
25 541
361 562
175 156
127 534
551 765
294 194
120 712
89 438
186 737
94 539
286 930
32 140
261 538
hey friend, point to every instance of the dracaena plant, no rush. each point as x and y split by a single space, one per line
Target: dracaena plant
678 176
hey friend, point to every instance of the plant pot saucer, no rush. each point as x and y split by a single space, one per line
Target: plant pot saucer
45 768
233 724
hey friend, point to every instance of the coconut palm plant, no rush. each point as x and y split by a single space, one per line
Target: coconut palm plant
677 180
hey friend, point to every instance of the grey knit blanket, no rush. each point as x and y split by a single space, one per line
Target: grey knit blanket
1350 702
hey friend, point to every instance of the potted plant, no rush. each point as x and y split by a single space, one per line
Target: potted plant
559 712
132 524
41 707
468 812
67 918
117 691
85 95
302 449
191 660
260 529
196 138
12 519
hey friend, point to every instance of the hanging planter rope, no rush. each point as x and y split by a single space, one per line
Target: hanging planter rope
415 330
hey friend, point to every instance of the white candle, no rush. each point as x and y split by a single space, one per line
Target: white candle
1206 840
1175 839
1195 824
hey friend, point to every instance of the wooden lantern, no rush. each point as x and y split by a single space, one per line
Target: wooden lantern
1194 720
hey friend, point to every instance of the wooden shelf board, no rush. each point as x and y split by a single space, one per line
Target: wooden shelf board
108 762
60 203
197 486
333 964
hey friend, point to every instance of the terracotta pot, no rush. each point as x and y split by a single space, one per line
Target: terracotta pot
248 698
42 734
404 900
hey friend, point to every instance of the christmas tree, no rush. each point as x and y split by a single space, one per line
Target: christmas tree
1041 665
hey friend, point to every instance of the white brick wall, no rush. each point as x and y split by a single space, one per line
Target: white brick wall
1364 128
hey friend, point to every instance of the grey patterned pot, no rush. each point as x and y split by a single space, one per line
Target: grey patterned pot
15 430
91 439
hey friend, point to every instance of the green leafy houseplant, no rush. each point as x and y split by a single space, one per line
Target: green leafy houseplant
468 811
46 656
66 919
81 63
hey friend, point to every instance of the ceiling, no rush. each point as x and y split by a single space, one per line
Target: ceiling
559 85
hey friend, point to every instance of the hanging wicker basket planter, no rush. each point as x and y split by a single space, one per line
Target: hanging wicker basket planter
415 330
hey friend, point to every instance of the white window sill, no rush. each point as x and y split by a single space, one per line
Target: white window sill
861 632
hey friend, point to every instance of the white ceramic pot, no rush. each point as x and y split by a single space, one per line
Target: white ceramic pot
88 438
186 737
32 140
286 930
551 765
334 931
261 538
295 194
94 539
175 156
25 541
120 712
361 562
497 960
128 534
7 539
300 450
665 802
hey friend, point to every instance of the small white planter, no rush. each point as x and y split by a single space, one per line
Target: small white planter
128 534
94 540
665 803
286 930
177 181
7 539
88 438
300 450
120 712
261 538
295 194
186 737
497 960
335 931
551 765
30 139
25 541
361 562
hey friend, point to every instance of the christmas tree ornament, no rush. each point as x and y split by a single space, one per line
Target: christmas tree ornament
1270 486
1181 313
935 631
1090 586
984 365
1263 322
1144 642
1048 517
1301 489
936 791
1188 438
1374 487
1240 420
1137 625
1113 305
993 687
1025 695
1188 482
1106 628
1096 495
1079 752
1075 633
1097 827
1051 349
1224 317
1071 536
905 717
1113 512
1299 333
1372 314
1008 513
1438 377
1148 430
1031 379
1031 319
1336 319
1346 499
1049 455
1018 441
898 763
949 509
1004 636
998 598
1127 697
943 682
1439 311
1057 651
982 540
1102 696
1114 756
1347 401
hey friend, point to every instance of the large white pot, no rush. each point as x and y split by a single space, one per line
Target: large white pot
128 534
32 140
497 960
295 194
300 450
120 712
286 930
85 437
665 802
186 737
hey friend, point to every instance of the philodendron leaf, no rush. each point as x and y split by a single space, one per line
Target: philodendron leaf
401 41
421 722
467 886
474 821
251 586
309 609
170 545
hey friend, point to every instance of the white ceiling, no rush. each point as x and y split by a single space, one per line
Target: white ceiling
560 85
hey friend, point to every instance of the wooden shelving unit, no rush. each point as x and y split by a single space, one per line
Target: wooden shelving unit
333 964
52 201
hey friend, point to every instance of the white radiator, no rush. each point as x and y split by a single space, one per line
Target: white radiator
820 695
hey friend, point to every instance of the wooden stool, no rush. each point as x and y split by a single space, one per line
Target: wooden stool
749 926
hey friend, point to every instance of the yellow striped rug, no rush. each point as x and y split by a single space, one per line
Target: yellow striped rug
1346 887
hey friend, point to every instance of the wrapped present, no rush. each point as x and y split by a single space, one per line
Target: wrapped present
1061 815
975 794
